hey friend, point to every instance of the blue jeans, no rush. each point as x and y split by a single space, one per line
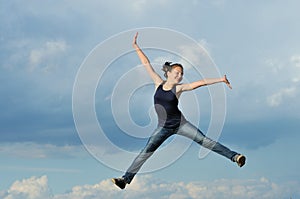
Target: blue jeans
161 134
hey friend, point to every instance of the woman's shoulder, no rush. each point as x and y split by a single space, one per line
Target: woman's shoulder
159 85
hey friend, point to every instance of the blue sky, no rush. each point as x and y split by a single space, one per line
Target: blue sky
44 43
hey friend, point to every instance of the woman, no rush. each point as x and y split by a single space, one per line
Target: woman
170 119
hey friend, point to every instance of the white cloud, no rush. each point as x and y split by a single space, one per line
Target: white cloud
295 60
277 98
49 51
147 187
274 64
285 75
140 6
31 188
196 55
40 151
193 54
218 3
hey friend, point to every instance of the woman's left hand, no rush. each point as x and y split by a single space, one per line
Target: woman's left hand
225 80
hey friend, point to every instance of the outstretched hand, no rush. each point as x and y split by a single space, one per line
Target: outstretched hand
225 80
134 42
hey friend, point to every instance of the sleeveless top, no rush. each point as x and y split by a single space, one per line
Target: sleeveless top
166 107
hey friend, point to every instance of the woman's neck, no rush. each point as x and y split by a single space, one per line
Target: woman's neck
168 85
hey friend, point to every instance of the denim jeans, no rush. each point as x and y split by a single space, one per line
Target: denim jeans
161 134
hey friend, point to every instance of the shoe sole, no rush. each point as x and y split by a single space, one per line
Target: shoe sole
241 161
115 182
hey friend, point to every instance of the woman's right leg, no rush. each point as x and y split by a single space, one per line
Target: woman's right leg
157 138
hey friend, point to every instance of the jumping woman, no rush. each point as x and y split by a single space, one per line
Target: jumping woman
170 119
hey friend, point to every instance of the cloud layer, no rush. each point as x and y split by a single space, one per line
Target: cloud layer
147 187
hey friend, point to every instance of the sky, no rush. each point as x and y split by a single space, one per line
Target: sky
67 68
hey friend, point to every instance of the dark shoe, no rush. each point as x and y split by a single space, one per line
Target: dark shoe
120 182
240 160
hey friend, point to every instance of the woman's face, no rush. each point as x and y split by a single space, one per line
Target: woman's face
175 74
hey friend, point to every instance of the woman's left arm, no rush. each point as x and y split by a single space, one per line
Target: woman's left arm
204 82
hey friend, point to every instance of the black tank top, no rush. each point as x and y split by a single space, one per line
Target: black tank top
166 107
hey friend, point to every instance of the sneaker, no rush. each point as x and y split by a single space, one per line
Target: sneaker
120 182
240 160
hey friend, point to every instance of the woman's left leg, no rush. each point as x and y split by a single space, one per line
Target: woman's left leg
190 131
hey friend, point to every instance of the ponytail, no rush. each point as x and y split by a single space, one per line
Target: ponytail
166 67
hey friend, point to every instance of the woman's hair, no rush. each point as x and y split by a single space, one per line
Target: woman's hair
168 66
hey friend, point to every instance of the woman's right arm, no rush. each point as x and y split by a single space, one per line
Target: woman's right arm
145 61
